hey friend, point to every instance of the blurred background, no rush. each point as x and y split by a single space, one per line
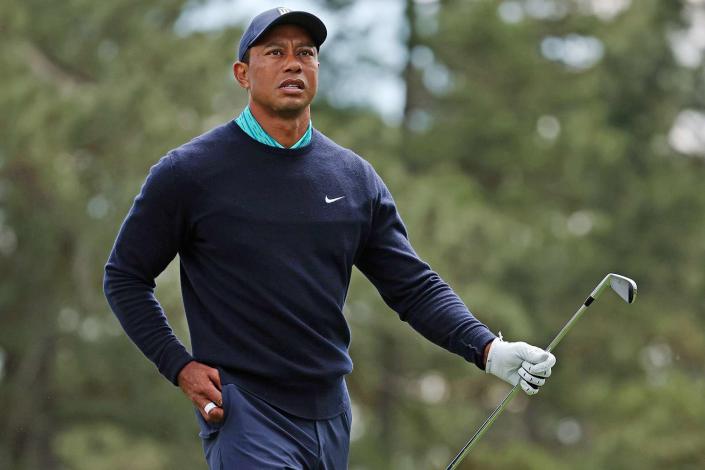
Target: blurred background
532 146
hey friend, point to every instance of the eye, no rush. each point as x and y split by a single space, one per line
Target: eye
306 52
275 52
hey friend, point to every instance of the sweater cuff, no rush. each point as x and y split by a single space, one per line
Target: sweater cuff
482 364
176 357
476 347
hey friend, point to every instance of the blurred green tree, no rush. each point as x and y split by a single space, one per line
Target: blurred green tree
93 93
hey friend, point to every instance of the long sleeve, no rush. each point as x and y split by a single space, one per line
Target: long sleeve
409 286
150 237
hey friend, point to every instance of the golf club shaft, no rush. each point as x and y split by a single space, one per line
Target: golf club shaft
510 396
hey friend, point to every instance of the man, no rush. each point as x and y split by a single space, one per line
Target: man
268 217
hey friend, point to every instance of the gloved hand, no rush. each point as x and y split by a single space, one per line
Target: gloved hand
520 363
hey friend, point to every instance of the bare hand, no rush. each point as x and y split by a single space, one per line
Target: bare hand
201 384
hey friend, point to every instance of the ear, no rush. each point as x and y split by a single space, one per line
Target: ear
240 70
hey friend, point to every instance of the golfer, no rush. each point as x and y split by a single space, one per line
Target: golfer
268 217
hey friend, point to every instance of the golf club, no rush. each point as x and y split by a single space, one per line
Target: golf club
623 286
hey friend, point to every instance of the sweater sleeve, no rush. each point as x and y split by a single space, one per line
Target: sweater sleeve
409 286
148 240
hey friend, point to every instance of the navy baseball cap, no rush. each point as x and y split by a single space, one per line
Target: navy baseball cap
265 21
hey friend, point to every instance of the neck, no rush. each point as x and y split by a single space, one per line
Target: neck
286 129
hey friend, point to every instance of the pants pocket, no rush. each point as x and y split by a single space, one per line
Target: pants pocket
210 430
210 433
207 430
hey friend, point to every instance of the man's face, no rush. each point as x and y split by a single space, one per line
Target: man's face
282 75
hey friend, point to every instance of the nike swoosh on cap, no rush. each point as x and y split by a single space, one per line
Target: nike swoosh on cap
328 200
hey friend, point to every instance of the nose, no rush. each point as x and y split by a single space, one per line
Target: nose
292 63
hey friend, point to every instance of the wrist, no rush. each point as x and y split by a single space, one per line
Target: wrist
182 371
486 353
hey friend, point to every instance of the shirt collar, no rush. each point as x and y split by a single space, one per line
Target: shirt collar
251 127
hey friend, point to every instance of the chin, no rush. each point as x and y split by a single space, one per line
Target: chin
291 107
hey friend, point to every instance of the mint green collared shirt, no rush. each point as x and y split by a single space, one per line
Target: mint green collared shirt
251 127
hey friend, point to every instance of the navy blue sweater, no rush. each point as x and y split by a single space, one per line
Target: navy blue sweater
267 239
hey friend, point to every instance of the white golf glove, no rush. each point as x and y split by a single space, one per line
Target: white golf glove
520 363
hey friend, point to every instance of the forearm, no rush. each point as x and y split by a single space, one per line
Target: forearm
412 289
142 317
442 317
422 299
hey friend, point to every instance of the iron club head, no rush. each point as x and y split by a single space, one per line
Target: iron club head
623 286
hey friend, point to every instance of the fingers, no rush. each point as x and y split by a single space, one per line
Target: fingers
528 388
532 353
214 414
217 415
216 389
214 375
531 379
540 361
544 366
201 383
212 394
530 383
534 369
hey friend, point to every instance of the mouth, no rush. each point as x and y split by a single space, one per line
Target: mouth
292 84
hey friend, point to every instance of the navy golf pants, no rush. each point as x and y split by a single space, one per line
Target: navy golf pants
255 435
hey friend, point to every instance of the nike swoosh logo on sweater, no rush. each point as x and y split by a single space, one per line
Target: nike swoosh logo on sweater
328 200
